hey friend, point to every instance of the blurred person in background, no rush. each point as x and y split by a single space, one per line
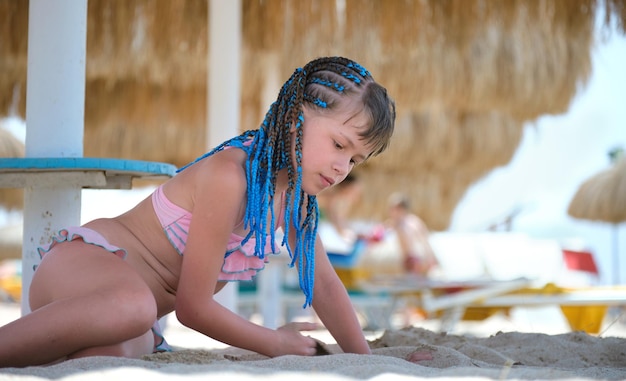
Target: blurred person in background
412 234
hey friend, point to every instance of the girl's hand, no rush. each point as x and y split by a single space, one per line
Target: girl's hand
292 342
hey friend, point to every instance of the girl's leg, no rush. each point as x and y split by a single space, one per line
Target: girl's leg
133 348
85 301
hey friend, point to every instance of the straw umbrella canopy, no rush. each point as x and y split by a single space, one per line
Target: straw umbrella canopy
462 72
465 75
10 146
10 198
455 149
603 198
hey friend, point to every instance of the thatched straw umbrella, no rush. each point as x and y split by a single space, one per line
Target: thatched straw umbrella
603 198
10 146
519 57
466 76
149 101
10 198
455 150
13 47
457 68
10 242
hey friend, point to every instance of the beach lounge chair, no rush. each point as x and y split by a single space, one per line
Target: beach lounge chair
490 273
374 307
584 308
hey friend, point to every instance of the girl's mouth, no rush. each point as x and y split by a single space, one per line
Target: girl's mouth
327 181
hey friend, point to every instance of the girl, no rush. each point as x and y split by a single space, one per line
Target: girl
101 287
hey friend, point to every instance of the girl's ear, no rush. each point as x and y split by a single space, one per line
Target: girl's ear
292 124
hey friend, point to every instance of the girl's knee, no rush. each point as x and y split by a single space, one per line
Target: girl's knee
120 313
124 327
138 307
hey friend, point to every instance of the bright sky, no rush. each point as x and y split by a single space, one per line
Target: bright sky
556 155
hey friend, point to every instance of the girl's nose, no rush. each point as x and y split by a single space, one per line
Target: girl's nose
342 166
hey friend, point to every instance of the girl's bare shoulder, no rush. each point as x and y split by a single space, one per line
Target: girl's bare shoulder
221 176
213 176
228 166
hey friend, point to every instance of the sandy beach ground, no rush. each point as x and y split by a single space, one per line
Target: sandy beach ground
528 344
525 344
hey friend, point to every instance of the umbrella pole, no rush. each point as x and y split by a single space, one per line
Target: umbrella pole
55 99
616 265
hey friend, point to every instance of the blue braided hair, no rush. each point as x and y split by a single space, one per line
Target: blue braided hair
323 83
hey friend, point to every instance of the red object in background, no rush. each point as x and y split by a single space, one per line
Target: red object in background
580 260
377 234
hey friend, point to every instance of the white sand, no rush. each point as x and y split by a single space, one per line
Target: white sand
473 355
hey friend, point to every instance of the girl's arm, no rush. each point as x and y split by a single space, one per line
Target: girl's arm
334 307
218 205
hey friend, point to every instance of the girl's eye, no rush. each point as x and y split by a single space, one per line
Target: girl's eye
338 145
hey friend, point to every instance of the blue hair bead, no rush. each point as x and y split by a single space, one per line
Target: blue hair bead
335 86
352 77
320 103
359 68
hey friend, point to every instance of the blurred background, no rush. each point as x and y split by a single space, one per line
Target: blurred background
507 110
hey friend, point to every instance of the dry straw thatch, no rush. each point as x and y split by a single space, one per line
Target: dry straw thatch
13 47
465 74
435 157
146 79
10 146
603 196
525 58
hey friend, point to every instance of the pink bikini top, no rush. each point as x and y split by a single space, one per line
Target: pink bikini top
240 263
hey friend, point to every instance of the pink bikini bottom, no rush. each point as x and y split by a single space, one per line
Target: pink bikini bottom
92 237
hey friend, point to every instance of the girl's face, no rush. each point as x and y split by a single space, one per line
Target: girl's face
331 147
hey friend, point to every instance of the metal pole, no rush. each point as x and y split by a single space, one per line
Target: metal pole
616 265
